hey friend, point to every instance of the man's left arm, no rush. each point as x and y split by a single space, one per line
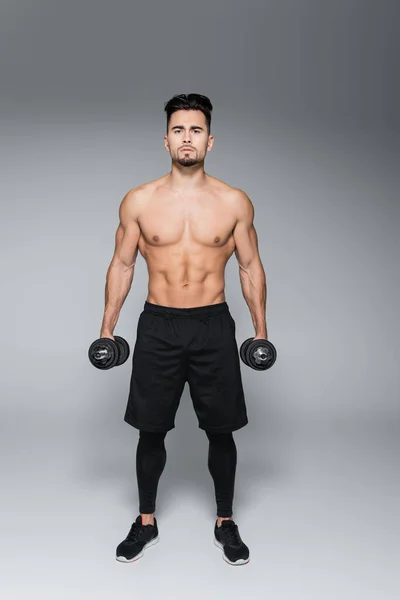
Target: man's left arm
251 271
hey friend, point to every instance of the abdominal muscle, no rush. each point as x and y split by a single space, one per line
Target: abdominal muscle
181 280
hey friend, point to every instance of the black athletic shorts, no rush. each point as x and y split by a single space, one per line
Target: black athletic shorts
175 345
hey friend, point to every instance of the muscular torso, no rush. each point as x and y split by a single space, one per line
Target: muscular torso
186 240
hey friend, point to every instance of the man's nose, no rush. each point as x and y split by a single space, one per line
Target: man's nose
187 138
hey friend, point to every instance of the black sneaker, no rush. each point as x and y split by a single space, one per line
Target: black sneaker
139 538
227 538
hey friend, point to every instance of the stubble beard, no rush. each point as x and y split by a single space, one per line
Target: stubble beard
187 161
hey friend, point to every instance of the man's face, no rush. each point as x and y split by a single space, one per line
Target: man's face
187 140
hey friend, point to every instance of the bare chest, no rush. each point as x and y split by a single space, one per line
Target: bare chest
166 223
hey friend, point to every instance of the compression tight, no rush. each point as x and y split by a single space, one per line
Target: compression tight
151 458
222 459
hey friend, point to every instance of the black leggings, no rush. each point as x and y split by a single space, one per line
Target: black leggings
151 457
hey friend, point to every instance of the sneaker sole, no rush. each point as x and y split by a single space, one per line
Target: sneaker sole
241 561
141 553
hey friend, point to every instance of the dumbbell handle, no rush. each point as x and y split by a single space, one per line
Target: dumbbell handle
260 355
101 354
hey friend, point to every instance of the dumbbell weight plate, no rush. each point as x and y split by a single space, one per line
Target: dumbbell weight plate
243 349
103 353
260 355
123 348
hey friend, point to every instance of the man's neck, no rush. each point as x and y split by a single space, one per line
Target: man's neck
187 178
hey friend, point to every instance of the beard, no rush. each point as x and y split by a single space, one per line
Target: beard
187 160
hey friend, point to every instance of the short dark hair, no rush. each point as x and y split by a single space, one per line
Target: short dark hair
189 102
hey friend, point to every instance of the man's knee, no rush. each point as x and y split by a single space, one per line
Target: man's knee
152 438
220 439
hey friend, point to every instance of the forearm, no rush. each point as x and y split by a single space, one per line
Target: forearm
118 283
254 288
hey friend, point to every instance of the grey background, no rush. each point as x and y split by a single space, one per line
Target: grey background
306 121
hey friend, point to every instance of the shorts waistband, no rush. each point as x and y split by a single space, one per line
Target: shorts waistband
194 312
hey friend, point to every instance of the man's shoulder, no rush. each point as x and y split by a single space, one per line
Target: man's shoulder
136 198
145 189
230 192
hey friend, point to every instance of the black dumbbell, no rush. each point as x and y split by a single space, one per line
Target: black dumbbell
258 354
104 353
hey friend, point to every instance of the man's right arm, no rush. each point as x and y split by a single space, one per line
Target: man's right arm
121 270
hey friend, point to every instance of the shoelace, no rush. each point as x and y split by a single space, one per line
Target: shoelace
135 532
232 534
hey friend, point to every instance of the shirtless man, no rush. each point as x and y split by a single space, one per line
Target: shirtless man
186 226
